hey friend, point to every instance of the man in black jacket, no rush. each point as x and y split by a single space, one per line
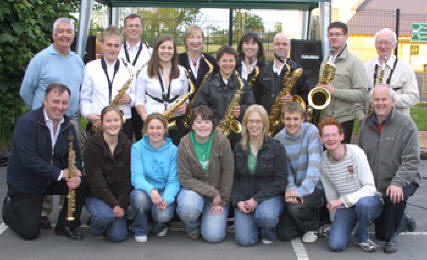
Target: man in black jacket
39 166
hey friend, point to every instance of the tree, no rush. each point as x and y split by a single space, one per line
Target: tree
245 22
25 29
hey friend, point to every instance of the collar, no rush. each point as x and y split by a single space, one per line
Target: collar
389 63
53 51
129 47
277 71
386 120
48 120
110 65
342 54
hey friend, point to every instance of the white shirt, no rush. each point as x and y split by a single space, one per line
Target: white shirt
143 57
403 81
244 74
277 71
94 95
147 87
194 69
53 134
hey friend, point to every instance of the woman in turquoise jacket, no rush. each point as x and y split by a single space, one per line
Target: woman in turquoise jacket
154 177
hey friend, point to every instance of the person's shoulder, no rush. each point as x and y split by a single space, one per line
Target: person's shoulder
76 57
93 64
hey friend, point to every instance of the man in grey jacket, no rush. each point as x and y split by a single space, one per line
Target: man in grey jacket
390 141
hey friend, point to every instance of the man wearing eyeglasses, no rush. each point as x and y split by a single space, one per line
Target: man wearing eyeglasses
388 69
350 85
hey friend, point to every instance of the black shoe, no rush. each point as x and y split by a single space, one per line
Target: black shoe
411 224
68 232
44 222
390 247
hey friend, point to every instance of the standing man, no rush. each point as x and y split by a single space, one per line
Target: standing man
55 64
390 141
134 52
39 166
271 79
350 85
388 69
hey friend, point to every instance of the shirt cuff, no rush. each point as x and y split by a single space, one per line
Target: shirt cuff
60 175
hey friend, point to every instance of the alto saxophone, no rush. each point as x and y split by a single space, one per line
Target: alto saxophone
290 78
229 124
255 77
171 110
71 206
187 117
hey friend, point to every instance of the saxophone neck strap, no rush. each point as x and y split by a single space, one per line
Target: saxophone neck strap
110 82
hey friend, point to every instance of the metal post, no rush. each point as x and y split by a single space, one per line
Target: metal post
304 31
397 30
325 20
84 26
230 28
309 24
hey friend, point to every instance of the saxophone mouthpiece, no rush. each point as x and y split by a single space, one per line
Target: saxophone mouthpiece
277 56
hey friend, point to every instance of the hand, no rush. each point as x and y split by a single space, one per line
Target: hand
334 204
251 204
163 205
395 193
241 205
286 98
65 172
292 197
118 211
94 119
219 129
155 197
74 182
216 210
330 88
181 109
125 99
236 111
217 200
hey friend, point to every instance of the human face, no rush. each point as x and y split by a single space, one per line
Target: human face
382 102
155 130
202 128
56 104
337 38
384 45
195 42
111 123
281 45
111 47
292 122
166 51
331 137
63 36
133 30
250 49
255 125
226 64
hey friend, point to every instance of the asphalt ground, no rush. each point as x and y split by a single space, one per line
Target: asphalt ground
177 246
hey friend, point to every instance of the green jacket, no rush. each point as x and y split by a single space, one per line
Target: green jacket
351 85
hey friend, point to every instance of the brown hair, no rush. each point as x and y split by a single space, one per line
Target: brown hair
339 25
264 117
330 121
154 63
190 31
112 31
292 107
157 116
132 16
204 112
60 87
114 108
226 49
247 37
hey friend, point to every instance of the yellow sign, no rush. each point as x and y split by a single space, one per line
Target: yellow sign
415 49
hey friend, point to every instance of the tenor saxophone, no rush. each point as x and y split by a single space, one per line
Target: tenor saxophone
289 80
171 110
229 124
187 117
71 196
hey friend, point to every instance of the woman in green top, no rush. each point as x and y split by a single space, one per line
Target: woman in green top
205 170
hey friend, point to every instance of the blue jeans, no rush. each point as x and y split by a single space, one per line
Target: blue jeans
142 205
103 221
266 216
363 213
192 206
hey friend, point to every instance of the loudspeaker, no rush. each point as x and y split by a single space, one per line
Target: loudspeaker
308 54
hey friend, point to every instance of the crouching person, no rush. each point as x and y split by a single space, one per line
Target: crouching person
205 170
259 180
154 177
349 188
107 165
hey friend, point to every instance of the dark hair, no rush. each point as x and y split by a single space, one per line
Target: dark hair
131 16
340 25
114 108
292 107
154 63
204 112
226 49
247 37
61 88
157 116
330 121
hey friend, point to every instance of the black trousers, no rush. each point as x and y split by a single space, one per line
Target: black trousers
387 224
21 211
348 130
137 125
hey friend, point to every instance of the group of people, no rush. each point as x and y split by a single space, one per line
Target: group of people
155 149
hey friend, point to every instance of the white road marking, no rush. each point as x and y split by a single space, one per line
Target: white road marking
413 234
3 228
299 249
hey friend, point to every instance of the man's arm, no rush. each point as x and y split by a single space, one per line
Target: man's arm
358 91
409 95
30 81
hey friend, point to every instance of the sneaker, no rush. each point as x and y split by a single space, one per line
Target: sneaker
390 247
266 241
310 237
367 246
141 239
163 232
193 234
325 230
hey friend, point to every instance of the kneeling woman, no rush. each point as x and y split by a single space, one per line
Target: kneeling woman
154 177
107 165
205 170
259 180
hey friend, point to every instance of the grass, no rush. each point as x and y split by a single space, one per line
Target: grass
419 115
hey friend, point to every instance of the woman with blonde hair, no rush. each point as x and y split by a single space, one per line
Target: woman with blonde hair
260 174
